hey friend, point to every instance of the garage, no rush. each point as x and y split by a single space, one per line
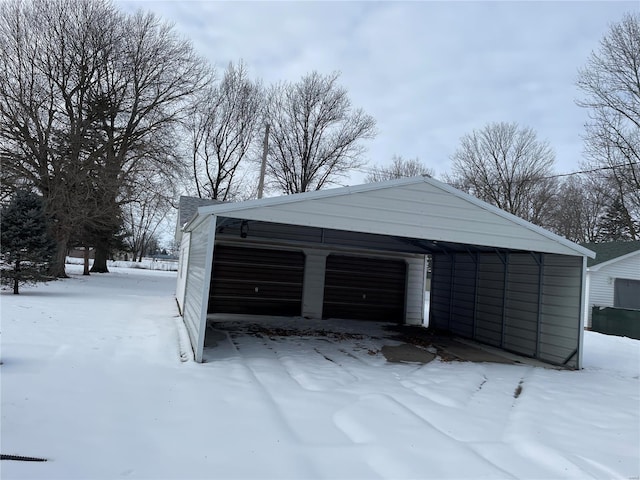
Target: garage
362 288
256 281
360 253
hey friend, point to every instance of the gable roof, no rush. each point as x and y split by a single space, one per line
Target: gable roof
418 207
187 209
608 252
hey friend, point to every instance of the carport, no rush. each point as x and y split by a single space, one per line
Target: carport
360 253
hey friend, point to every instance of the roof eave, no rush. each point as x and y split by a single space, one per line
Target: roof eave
598 266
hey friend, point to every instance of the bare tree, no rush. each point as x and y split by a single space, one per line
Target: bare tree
223 131
399 168
89 97
315 133
507 166
142 219
610 82
579 206
46 69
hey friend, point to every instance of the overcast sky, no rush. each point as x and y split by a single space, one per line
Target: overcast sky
428 72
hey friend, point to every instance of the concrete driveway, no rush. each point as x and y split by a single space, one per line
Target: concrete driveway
387 342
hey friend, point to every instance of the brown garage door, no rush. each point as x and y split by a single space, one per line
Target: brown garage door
256 281
364 288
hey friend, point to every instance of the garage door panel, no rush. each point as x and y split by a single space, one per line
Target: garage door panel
362 295
256 281
348 279
244 272
364 288
354 311
261 289
256 256
258 306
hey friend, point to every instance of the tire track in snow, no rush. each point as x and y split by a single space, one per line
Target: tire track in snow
286 392
484 415
376 419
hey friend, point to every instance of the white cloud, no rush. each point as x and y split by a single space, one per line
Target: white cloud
429 72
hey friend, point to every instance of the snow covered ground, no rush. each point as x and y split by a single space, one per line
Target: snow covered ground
92 381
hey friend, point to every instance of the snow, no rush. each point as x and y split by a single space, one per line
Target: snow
96 379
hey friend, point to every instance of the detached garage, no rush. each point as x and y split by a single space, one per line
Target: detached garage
361 253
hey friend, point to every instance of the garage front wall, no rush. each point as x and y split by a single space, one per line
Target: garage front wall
249 277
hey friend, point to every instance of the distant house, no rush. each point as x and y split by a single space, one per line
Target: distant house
613 277
187 209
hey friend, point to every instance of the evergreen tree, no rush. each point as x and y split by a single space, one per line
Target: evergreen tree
26 247
615 223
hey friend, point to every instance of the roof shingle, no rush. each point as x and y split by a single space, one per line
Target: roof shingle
610 250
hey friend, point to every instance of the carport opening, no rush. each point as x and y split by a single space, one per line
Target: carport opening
493 296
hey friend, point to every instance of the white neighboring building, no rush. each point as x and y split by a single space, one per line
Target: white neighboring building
613 277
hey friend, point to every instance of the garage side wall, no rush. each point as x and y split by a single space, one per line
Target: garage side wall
490 299
453 292
197 284
560 329
463 302
526 303
441 291
522 300
183 267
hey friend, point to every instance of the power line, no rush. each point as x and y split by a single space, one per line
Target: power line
555 175
593 170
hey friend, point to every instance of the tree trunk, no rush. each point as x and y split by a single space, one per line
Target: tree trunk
15 278
100 260
56 269
86 261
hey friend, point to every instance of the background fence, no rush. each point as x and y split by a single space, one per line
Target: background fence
623 322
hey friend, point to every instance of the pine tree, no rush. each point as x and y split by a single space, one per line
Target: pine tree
615 223
26 247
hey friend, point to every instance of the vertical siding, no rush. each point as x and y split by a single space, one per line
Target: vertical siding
521 304
463 295
490 299
416 275
561 325
183 267
313 289
197 284
441 276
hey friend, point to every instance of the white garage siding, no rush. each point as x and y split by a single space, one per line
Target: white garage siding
183 267
526 303
416 277
419 207
198 283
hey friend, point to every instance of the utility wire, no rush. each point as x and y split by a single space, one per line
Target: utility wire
555 175
593 170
